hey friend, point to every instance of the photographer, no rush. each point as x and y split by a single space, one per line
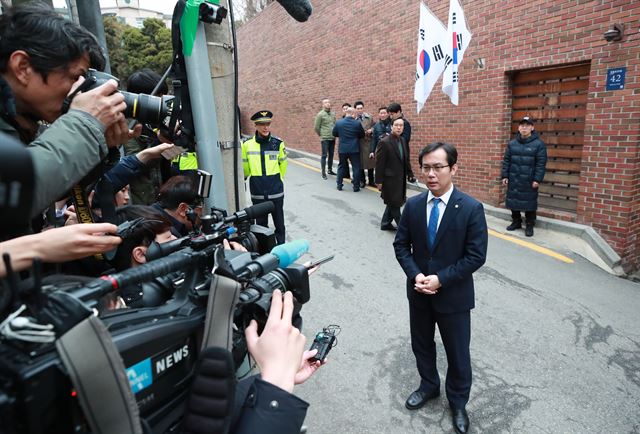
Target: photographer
42 57
144 188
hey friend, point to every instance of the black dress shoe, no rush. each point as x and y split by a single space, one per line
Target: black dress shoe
460 420
515 225
372 184
419 398
388 228
355 190
331 172
528 231
324 176
339 188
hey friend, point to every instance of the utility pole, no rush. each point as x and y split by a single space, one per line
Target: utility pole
221 54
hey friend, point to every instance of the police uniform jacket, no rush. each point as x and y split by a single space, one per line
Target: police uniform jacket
264 160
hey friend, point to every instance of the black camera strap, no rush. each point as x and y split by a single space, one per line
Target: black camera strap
99 378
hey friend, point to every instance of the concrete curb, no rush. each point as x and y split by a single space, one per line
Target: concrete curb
585 233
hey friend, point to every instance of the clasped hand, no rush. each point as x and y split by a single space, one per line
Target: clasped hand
427 284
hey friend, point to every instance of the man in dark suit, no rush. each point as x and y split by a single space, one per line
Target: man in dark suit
392 171
349 131
439 258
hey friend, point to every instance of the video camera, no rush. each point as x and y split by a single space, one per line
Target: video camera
159 345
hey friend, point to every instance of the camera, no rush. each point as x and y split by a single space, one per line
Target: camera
159 346
146 109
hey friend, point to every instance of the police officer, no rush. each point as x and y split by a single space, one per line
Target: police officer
264 159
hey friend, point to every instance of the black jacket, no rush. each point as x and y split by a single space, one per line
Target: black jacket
524 161
261 407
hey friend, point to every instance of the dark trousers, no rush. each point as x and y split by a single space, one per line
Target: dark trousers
455 330
369 175
277 216
328 147
343 167
391 213
529 217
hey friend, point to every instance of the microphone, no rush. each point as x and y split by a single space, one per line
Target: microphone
280 257
252 212
289 252
300 10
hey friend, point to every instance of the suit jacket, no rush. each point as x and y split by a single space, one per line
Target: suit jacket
460 249
349 131
392 170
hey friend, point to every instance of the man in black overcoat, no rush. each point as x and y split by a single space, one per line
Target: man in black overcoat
393 169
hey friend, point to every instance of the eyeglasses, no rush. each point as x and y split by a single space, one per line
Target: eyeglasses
436 169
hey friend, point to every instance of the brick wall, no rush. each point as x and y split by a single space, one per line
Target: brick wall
365 49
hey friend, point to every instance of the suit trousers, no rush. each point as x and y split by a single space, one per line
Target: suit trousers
343 168
277 216
455 330
328 147
391 213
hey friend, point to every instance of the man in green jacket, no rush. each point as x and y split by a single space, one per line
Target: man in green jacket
42 57
325 121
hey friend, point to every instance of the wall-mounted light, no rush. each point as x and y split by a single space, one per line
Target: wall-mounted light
480 63
615 33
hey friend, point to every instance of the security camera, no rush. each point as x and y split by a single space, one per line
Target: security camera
614 33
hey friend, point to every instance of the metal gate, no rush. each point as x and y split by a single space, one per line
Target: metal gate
556 98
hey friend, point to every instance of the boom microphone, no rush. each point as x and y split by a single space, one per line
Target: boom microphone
300 10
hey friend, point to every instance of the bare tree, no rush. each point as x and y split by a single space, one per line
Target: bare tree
244 10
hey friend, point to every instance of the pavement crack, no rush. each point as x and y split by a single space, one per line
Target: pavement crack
494 276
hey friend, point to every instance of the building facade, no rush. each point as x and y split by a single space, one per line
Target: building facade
129 12
547 59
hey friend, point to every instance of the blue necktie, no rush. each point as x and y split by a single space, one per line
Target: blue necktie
433 222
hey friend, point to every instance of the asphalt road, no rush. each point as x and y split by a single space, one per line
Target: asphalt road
555 345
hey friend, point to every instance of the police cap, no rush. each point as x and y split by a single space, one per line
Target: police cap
262 117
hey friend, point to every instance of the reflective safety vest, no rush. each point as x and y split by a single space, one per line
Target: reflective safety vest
185 161
264 160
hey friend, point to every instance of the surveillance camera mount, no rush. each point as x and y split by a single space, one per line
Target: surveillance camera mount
615 33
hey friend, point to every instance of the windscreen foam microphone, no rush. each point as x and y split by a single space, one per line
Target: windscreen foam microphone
288 253
252 212
300 10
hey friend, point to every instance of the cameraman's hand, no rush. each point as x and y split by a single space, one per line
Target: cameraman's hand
307 367
106 104
59 245
154 152
103 103
233 246
278 351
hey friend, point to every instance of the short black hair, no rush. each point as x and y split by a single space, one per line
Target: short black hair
176 190
51 41
154 224
144 81
394 107
357 103
346 104
452 152
383 108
